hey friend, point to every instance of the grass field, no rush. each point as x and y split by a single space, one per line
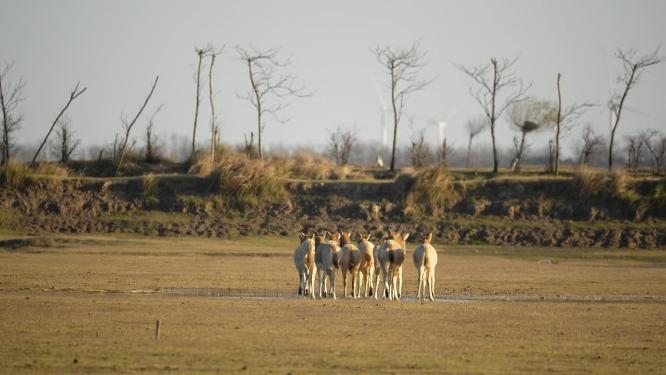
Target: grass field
88 304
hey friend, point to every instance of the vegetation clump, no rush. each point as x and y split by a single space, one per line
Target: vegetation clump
243 181
432 193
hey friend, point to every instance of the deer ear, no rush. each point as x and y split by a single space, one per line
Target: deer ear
368 238
405 237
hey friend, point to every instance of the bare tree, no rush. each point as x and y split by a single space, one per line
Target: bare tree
340 144
655 143
590 143
526 116
249 148
201 54
267 85
474 126
120 146
419 152
10 97
75 93
564 121
635 144
150 138
214 127
403 66
633 68
493 79
443 153
65 142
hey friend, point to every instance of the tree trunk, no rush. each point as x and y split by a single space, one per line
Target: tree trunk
558 124
72 96
196 108
5 126
121 157
492 117
469 150
519 156
617 117
257 97
395 117
212 110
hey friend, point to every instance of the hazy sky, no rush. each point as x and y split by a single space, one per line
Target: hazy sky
115 48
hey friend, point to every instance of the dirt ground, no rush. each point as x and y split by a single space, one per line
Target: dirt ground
89 304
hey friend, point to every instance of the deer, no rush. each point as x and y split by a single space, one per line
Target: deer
326 262
367 267
389 257
350 261
425 261
304 260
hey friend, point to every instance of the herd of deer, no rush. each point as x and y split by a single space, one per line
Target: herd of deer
319 257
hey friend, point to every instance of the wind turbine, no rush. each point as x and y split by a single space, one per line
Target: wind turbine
441 125
383 108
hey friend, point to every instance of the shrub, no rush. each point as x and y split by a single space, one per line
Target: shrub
14 175
45 175
587 183
244 182
149 193
433 192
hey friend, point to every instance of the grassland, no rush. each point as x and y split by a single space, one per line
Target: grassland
88 304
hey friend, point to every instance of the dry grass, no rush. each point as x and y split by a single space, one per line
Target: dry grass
244 181
47 176
588 183
432 193
45 331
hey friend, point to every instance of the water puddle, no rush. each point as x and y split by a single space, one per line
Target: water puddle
270 294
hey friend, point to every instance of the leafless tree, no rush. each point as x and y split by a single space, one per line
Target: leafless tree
249 148
75 93
443 153
492 80
633 67
201 53
151 139
120 146
474 126
214 127
340 144
655 143
551 156
526 116
268 87
10 97
403 66
564 120
65 142
590 143
635 144
419 152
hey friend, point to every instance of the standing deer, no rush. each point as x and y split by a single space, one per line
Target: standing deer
367 268
389 257
350 261
304 260
326 261
425 261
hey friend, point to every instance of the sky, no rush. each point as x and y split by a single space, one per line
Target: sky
115 49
